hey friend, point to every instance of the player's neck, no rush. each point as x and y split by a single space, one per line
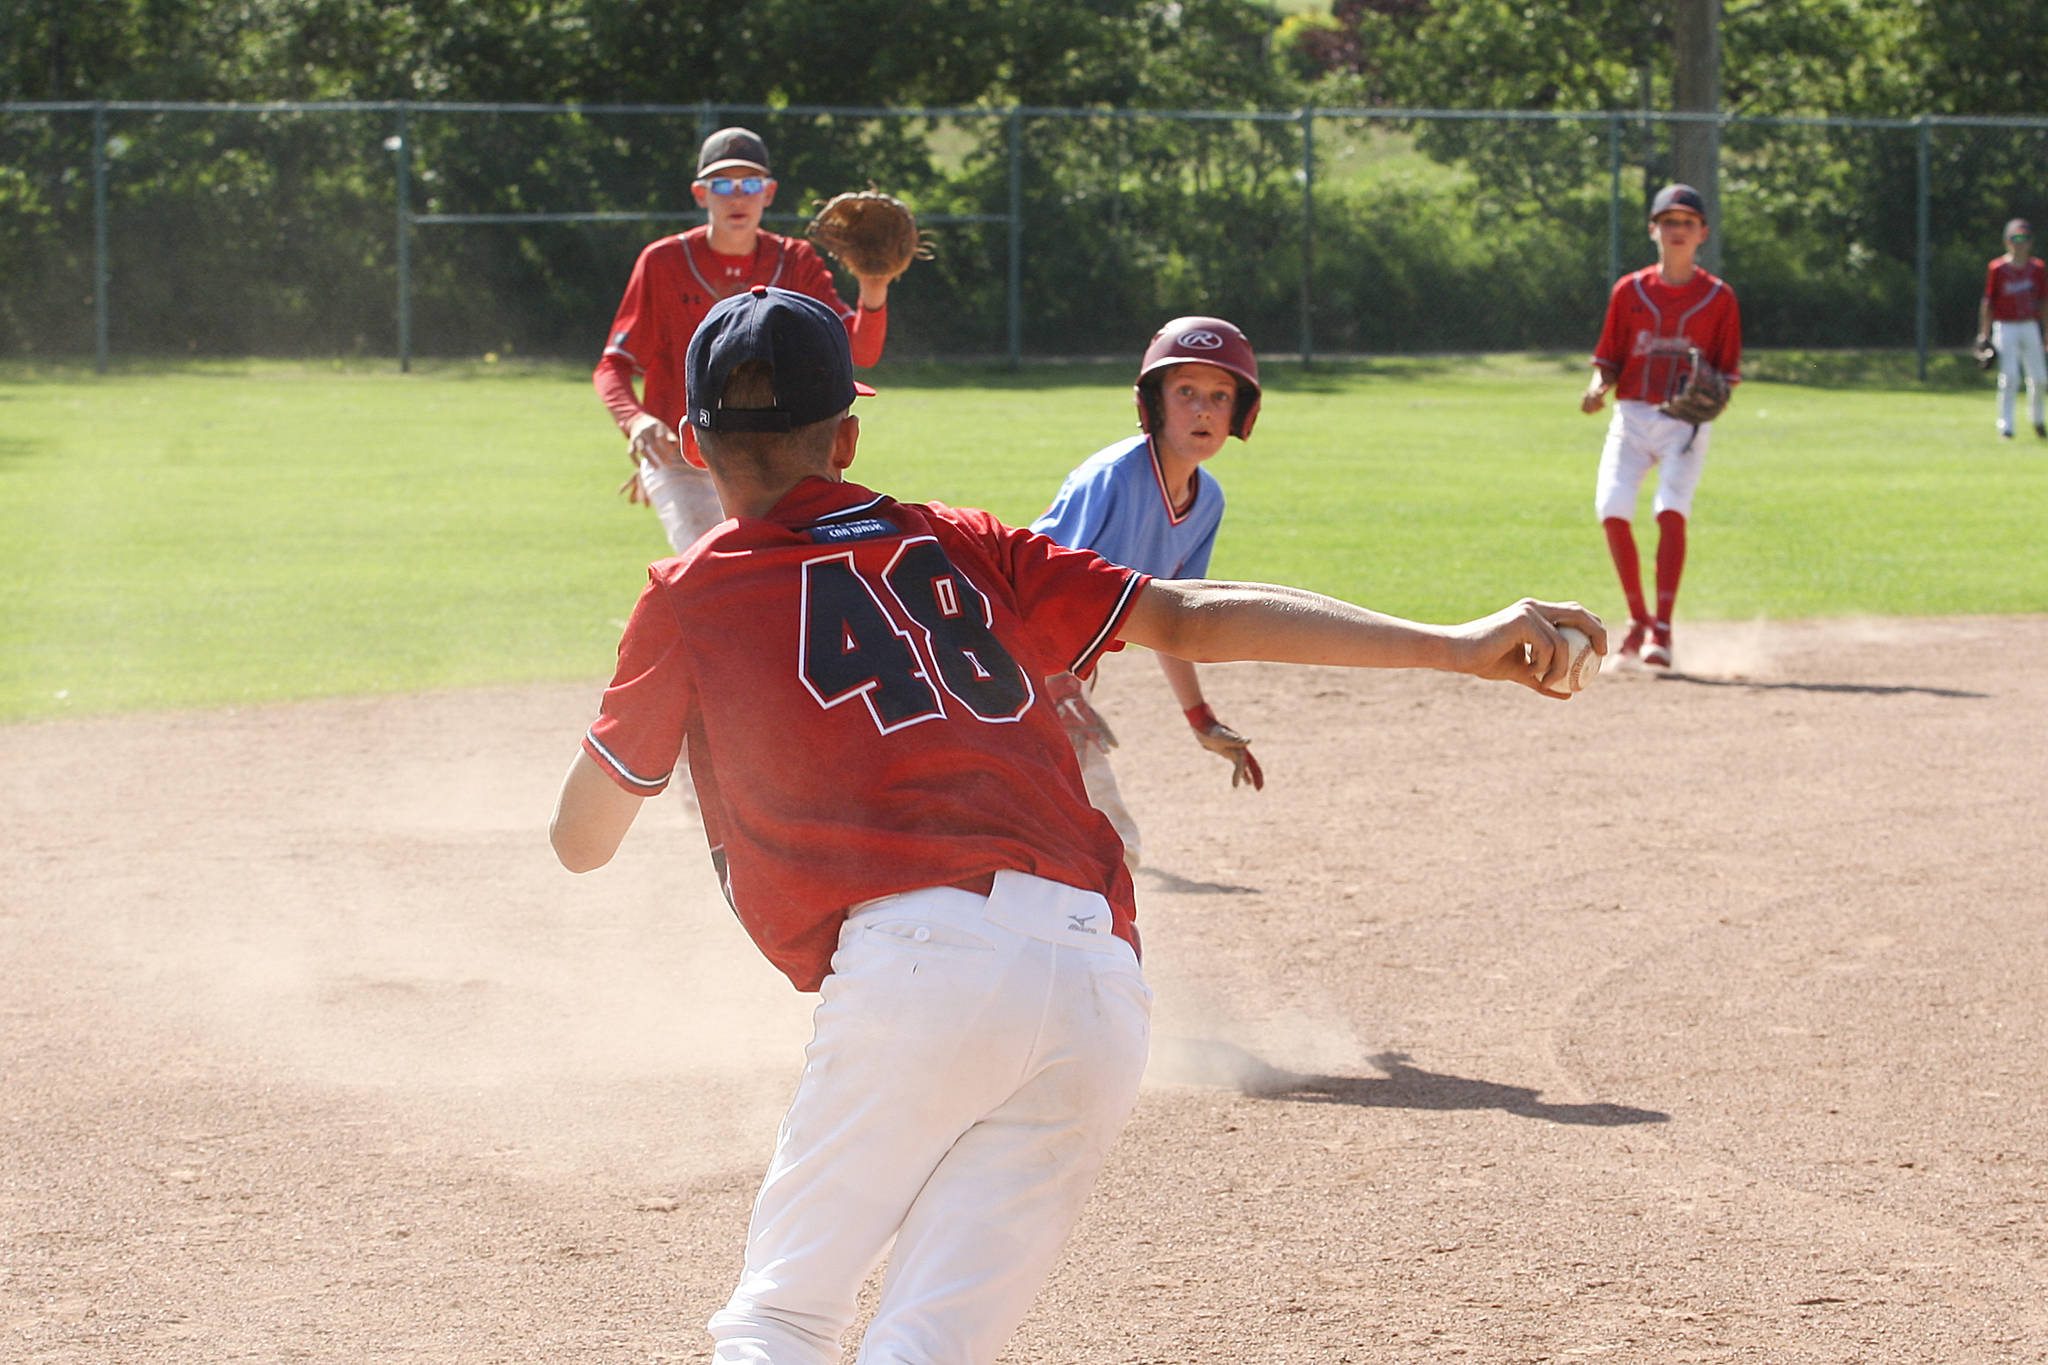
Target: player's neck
2018 259
1176 475
1677 269
728 242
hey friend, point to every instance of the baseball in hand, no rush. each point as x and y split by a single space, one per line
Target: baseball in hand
1585 664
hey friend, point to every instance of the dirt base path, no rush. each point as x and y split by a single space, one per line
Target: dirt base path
1701 1019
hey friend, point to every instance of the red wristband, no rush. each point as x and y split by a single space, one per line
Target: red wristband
1201 717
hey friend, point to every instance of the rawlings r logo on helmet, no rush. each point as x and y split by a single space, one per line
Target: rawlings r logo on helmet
1201 339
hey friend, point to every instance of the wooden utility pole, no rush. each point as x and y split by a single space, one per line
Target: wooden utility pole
1696 89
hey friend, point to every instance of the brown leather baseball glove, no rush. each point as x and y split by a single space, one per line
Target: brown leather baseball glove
1701 397
870 233
1985 354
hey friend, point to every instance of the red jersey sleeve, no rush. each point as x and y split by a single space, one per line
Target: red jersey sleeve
866 330
1723 346
637 332
1072 602
1611 352
638 734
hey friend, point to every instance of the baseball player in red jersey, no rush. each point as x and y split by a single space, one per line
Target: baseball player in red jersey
674 283
2010 316
924 857
1656 316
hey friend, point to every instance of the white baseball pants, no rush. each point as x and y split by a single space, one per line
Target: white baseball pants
684 499
2019 345
1639 437
972 1064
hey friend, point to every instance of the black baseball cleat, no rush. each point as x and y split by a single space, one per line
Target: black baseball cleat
2041 429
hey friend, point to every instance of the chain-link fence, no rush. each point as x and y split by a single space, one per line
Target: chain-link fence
135 229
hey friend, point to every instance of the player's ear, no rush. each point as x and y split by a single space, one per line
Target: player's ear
843 442
701 194
768 192
692 456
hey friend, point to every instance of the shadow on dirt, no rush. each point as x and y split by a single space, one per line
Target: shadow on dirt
1167 881
1861 689
1207 1062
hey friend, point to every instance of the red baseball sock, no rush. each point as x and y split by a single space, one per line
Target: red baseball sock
1628 565
1670 562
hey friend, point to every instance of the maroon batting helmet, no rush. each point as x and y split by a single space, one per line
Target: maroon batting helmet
1200 341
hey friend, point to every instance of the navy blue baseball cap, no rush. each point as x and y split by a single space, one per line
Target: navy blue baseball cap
804 344
1677 197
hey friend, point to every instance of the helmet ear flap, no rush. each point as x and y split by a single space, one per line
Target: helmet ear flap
1246 412
1150 414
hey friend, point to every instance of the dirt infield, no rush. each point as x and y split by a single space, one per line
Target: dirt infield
1699 1019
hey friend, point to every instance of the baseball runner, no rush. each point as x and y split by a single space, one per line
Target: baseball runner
1671 345
2009 317
925 859
1147 503
674 283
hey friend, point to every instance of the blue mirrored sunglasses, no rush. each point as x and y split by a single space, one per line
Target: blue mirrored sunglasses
725 184
2021 237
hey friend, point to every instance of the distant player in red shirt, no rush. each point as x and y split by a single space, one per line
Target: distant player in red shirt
2009 316
900 825
1655 317
673 285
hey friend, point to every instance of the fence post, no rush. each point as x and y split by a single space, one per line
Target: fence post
99 236
1016 282
401 146
1921 231
1613 195
1308 235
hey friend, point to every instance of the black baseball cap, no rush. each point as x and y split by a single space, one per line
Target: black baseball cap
732 147
1678 197
2018 225
804 343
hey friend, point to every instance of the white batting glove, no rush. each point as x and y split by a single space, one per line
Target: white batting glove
1219 738
1084 725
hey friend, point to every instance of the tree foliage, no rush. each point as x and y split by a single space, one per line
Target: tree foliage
269 230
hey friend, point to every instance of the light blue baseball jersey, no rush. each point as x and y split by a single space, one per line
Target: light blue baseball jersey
1114 504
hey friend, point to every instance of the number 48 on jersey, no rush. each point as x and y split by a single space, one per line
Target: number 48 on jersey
853 646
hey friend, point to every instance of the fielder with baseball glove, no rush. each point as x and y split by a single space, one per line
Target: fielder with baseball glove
678 280
1671 348
2011 315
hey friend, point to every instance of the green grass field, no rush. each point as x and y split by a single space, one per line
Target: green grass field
220 534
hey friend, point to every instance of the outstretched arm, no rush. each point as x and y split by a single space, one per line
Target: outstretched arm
1213 622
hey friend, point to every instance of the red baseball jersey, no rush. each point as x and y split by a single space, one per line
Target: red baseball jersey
2016 292
858 683
675 283
1651 327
